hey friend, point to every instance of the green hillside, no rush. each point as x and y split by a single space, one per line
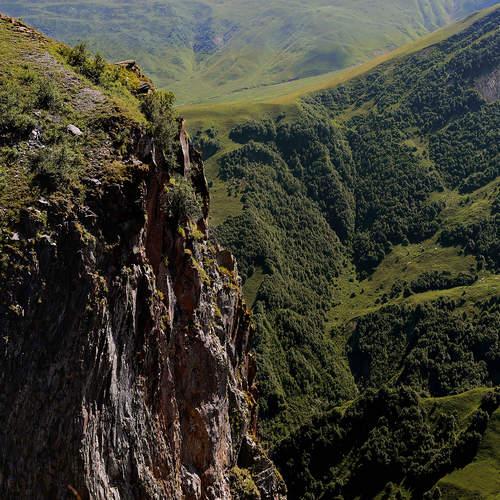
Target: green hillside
211 48
393 444
365 220
364 212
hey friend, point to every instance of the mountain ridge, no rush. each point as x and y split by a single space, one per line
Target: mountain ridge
210 48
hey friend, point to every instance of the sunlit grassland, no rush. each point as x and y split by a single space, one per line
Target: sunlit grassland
290 92
335 38
479 479
252 285
224 112
226 204
355 298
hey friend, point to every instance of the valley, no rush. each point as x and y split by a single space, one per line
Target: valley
363 208
205 49
378 142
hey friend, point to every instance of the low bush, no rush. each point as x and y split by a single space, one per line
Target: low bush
55 167
180 199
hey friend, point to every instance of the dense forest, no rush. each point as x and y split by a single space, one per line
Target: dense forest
373 165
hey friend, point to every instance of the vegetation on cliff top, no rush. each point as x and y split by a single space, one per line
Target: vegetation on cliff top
56 129
67 124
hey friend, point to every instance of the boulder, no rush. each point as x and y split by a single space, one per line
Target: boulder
73 129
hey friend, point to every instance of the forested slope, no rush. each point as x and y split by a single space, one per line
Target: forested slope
369 242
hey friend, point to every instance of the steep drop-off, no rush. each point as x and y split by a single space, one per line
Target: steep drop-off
125 364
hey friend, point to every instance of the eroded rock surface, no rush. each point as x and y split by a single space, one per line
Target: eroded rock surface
489 86
125 364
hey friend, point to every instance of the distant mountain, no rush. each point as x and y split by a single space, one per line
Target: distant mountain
208 48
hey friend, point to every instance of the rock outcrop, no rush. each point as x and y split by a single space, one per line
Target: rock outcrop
488 85
125 363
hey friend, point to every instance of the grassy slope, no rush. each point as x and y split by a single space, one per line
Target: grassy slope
27 59
273 100
205 49
408 262
479 479
354 298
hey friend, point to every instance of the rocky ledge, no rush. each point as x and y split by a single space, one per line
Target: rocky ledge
125 363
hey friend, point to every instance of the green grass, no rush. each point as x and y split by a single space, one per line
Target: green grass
468 207
403 264
252 285
31 66
481 478
226 204
208 49
464 405
355 298
290 92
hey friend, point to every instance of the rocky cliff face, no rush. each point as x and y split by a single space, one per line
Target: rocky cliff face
488 85
125 363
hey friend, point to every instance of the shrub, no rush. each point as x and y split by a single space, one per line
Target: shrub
180 199
16 121
46 95
158 110
53 168
242 484
79 57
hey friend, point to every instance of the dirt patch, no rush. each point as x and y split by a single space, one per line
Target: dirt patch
87 99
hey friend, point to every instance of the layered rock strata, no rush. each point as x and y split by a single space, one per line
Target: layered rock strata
125 363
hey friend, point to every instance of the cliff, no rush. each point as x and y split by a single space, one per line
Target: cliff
125 363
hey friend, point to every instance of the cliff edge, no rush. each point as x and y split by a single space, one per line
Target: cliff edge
125 363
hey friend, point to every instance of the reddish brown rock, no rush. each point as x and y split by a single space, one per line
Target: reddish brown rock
125 369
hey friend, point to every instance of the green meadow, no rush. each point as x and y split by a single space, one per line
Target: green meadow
206 49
